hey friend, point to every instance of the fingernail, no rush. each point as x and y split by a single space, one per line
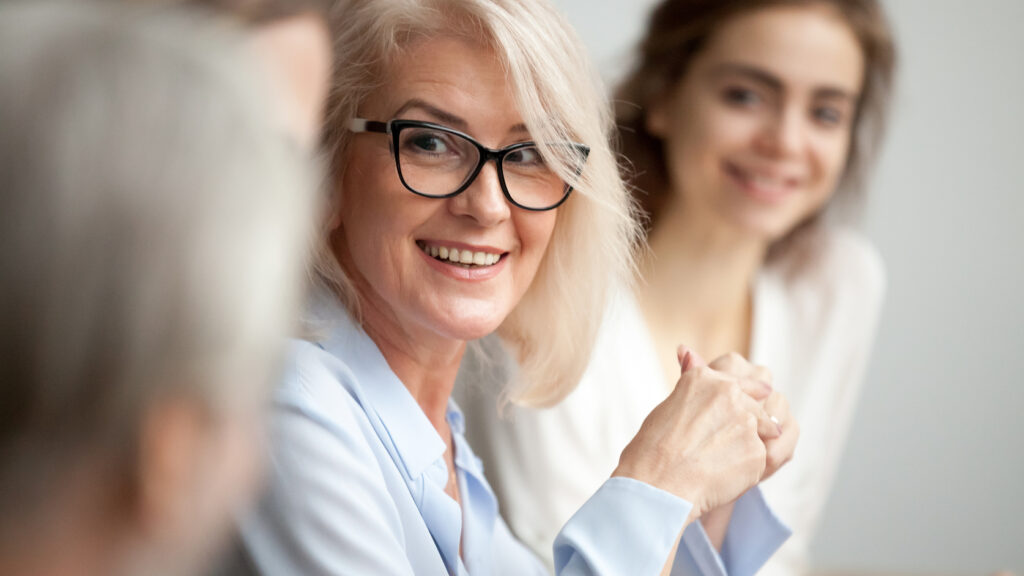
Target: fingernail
684 358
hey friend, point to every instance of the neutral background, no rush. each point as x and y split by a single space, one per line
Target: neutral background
933 478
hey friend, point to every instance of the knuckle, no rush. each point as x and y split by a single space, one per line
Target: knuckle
734 392
750 423
700 372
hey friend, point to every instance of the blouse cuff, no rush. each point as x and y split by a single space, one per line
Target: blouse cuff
754 534
626 527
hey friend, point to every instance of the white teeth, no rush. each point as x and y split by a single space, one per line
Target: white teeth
465 257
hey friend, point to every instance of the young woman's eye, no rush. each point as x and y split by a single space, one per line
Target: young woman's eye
828 115
741 96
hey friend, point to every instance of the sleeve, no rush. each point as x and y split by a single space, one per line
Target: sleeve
326 510
753 536
627 527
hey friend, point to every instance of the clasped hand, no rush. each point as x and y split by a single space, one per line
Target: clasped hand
722 430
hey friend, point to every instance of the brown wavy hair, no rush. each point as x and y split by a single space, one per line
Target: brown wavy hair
679 29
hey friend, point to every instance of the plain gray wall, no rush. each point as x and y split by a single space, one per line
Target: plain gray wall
933 477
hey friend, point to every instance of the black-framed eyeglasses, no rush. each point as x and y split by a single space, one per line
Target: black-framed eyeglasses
438 162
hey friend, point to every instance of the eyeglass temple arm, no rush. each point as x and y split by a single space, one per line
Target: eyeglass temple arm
364 125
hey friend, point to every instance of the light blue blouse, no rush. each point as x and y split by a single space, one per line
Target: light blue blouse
357 477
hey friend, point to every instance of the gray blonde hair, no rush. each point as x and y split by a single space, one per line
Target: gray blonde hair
154 222
560 97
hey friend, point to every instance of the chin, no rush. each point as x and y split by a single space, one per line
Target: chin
469 322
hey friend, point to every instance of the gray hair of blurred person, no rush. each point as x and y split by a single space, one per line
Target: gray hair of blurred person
552 330
154 227
263 11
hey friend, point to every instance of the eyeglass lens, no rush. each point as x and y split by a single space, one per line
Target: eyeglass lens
437 163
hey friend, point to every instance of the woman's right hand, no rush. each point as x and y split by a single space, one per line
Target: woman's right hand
705 442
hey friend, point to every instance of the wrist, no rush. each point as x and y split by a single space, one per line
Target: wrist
684 488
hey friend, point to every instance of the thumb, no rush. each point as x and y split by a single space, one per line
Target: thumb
688 358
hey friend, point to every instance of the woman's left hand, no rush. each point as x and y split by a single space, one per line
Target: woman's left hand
779 449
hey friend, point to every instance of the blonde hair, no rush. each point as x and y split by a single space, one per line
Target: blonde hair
155 227
560 97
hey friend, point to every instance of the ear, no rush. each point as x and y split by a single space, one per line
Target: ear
170 447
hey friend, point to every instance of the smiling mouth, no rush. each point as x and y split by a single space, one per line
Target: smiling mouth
762 185
460 257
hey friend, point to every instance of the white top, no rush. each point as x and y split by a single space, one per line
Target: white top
813 327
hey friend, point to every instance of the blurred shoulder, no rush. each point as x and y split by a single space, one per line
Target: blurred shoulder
837 263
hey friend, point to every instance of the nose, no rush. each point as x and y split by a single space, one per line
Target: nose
483 201
783 134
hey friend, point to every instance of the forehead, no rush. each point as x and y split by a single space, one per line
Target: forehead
460 75
801 45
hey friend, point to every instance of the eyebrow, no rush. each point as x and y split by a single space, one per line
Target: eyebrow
445 117
773 82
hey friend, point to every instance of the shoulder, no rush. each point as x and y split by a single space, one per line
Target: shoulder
317 405
838 265
313 377
320 434
850 258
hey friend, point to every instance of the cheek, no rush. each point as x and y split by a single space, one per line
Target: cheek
371 213
535 230
701 137
834 156
829 153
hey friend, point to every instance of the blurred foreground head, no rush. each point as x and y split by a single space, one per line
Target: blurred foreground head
292 42
155 227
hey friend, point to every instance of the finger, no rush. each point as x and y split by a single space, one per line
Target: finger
780 450
732 363
756 389
767 428
688 357
761 373
778 406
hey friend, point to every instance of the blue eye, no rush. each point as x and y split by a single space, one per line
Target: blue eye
828 116
741 97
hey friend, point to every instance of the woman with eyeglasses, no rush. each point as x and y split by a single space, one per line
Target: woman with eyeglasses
475 194
744 123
